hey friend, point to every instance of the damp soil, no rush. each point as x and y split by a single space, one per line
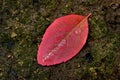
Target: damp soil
23 23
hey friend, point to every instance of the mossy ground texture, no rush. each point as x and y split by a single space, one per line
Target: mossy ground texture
23 23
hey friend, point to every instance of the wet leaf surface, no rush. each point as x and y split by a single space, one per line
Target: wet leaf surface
69 34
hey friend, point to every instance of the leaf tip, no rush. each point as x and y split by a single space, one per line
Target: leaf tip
89 15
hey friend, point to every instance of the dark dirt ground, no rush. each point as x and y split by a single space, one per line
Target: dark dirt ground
23 22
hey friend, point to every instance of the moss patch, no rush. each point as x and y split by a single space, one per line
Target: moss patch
23 24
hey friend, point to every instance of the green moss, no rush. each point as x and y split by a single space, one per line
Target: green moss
23 25
98 28
79 12
105 47
25 16
90 2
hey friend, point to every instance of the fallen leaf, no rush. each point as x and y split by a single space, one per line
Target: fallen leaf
13 34
63 39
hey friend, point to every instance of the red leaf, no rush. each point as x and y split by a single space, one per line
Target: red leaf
63 39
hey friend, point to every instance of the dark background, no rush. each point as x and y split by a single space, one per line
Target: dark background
23 23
